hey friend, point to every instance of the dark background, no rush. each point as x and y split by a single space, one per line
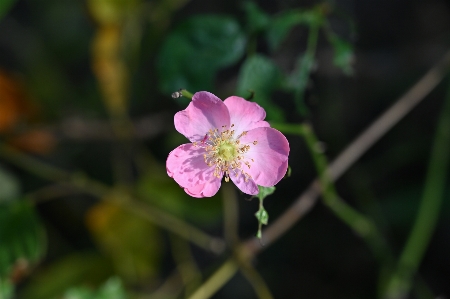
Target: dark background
47 46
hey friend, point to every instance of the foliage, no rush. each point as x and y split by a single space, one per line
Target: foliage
21 235
88 211
111 289
196 49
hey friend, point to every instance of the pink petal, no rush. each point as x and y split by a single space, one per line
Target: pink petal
204 190
245 115
248 187
187 167
204 112
270 155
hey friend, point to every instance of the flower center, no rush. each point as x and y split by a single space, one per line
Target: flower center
225 152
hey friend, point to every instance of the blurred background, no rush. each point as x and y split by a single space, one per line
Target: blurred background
86 123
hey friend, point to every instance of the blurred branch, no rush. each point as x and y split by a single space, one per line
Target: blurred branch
428 214
104 192
255 279
230 215
336 168
51 192
100 130
231 223
354 151
216 281
189 272
305 66
357 221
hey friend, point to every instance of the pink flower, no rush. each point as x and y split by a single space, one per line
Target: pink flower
229 139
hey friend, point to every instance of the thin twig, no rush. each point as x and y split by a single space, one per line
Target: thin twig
104 192
255 279
429 209
353 152
342 163
231 215
186 266
216 281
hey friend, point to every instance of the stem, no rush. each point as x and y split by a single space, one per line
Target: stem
255 279
230 215
304 203
306 65
216 281
428 213
352 152
186 266
102 191
186 94
362 225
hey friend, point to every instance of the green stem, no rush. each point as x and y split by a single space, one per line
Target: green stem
428 214
362 225
230 214
186 94
216 281
255 279
306 65
102 191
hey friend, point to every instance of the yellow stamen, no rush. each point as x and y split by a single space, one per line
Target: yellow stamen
225 152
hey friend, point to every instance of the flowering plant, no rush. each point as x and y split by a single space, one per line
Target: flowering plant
229 139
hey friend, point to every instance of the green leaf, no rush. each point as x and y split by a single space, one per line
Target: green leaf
193 53
299 79
6 289
9 186
74 269
125 239
288 172
5 6
343 54
265 191
257 19
21 235
262 216
111 289
261 76
283 23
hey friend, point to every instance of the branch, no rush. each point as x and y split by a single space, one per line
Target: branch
340 165
353 152
104 192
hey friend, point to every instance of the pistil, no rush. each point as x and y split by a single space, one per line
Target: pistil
224 152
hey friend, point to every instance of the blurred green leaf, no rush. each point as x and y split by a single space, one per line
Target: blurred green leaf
163 192
9 186
193 53
343 54
298 80
283 23
21 235
111 11
133 243
111 289
6 289
261 76
5 6
257 19
73 269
